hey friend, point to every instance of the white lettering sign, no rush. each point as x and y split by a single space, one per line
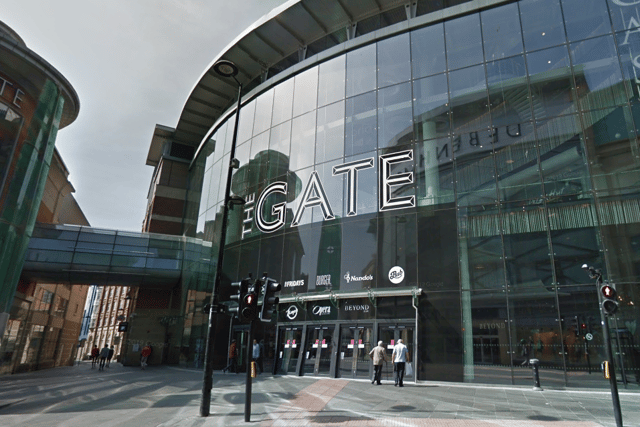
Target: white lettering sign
293 283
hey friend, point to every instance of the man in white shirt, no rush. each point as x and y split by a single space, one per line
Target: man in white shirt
257 357
400 356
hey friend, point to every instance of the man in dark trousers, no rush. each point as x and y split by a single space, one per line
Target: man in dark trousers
111 350
378 356
233 357
104 353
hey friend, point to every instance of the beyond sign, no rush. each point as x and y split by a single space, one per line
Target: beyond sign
314 193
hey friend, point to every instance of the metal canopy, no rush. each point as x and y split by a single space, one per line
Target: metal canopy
274 37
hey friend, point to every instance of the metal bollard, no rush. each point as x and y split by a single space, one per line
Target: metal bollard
536 376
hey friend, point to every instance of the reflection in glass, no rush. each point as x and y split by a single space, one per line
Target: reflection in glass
464 41
585 18
501 32
359 254
434 172
509 98
245 124
303 132
431 107
305 92
552 90
397 246
367 191
264 107
330 132
361 70
331 83
280 143
361 124
282 102
542 24
427 51
576 243
597 73
394 115
469 104
394 60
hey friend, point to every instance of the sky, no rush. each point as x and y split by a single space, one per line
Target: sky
133 64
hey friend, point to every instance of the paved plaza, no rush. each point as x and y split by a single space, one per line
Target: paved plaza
79 396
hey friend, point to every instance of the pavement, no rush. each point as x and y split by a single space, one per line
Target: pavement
164 396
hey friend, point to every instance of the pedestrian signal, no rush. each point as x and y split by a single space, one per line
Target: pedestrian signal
609 303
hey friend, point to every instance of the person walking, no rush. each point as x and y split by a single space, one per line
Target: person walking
144 355
95 352
104 353
378 356
111 350
400 356
256 353
233 357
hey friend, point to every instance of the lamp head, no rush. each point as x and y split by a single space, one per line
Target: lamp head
225 68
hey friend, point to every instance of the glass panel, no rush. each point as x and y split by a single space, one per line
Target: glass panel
303 132
282 102
361 70
305 92
359 255
431 107
434 172
625 237
129 261
517 163
334 187
464 41
469 104
597 73
395 116
259 159
509 98
439 269
501 32
245 124
367 191
264 107
91 259
397 247
427 51
394 60
331 83
625 16
575 244
330 132
585 18
301 250
542 24
562 157
361 124
611 142
552 90
475 173
329 255
279 145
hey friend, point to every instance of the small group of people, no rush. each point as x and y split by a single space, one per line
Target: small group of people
257 352
102 357
399 357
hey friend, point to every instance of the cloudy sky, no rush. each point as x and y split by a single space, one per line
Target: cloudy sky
133 64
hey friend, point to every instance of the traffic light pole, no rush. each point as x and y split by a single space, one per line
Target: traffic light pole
248 383
613 382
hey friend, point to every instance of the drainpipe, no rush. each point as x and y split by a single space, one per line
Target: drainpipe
414 356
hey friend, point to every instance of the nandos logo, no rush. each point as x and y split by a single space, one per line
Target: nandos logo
350 278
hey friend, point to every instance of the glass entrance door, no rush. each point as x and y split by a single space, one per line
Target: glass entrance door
318 348
389 335
290 345
355 345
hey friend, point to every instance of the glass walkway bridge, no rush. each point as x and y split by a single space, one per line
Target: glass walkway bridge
84 255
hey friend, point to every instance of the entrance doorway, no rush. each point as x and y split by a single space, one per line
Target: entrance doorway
318 349
355 345
389 335
290 345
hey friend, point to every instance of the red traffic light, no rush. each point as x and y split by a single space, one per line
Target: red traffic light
608 291
250 299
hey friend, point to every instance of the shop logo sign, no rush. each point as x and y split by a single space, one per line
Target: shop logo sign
349 278
292 312
293 283
358 307
324 280
396 275
626 2
321 311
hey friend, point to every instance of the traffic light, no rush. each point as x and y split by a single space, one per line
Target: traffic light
575 324
269 299
237 292
249 308
609 303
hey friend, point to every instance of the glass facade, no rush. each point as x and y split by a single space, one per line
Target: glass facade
488 157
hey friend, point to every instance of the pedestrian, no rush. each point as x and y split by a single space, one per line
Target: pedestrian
400 356
144 355
111 350
95 351
233 357
257 356
378 356
104 353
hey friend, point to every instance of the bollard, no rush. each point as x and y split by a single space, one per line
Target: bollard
536 377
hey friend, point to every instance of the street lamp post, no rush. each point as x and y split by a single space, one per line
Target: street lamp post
225 69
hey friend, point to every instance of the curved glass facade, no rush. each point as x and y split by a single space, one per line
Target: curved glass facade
481 160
